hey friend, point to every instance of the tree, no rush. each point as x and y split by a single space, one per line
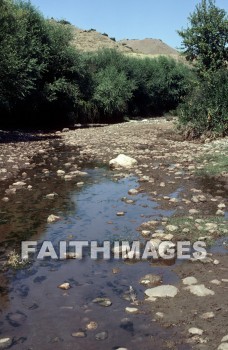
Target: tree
205 41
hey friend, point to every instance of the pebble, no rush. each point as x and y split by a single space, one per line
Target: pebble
223 346
145 233
220 212
195 331
79 184
103 301
189 280
91 325
101 336
150 280
79 334
60 172
5 343
133 192
171 228
200 290
64 286
162 291
120 213
52 218
131 310
207 315
217 282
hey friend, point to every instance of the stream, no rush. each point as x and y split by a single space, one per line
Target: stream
34 312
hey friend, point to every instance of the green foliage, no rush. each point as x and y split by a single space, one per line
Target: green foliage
205 109
205 41
44 81
112 91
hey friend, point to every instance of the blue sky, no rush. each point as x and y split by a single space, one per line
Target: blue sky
132 19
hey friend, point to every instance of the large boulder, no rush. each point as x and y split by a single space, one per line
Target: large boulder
122 161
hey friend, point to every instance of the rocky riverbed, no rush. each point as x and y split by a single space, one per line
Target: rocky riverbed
192 308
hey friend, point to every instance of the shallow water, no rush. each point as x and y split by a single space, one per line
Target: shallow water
37 314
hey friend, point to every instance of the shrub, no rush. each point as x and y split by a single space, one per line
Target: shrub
205 109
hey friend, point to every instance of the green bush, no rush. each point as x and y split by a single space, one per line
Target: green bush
205 109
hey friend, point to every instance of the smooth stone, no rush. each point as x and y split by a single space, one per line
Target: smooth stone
51 195
103 301
217 282
150 280
79 334
19 184
223 346
5 342
207 315
200 290
225 339
189 280
101 336
120 213
195 331
145 233
162 291
122 161
131 310
133 192
171 228
52 218
91 325
60 172
64 286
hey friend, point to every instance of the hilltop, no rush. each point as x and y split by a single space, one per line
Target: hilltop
92 40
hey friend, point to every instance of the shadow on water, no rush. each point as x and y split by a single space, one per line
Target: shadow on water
37 314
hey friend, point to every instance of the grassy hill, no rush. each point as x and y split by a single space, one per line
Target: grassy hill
91 40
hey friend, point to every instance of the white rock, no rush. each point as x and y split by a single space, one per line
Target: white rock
217 282
79 184
162 291
5 342
195 331
200 290
122 161
207 315
133 191
159 314
216 262
221 206
220 212
60 172
64 286
224 339
189 281
19 184
52 218
131 310
193 211
51 195
145 233
223 346
171 228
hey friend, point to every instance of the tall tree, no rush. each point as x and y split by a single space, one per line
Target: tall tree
205 41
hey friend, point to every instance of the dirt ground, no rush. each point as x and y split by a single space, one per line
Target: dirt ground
167 173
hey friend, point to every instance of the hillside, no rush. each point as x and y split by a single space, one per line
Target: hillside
91 40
